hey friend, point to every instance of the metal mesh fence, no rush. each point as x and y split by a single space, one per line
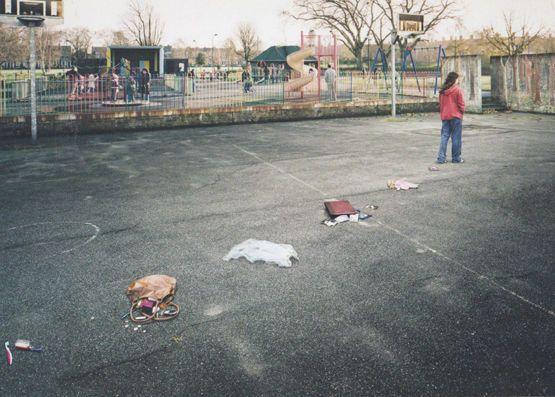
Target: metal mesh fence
103 94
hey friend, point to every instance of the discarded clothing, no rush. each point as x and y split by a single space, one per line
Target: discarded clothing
266 251
401 184
341 219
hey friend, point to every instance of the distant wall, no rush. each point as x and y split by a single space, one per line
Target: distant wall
469 67
525 83
77 123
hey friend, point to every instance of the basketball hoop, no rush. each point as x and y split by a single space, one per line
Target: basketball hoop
31 12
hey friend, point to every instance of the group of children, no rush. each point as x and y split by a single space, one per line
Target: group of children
81 84
132 82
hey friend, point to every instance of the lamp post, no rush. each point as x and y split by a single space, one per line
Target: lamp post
368 44
393 74
213 37
192 54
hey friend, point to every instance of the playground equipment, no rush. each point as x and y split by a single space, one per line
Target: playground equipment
408 55
322 49
296 62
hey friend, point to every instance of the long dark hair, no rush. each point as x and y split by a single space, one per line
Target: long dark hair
449 81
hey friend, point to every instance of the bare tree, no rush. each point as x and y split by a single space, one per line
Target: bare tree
143 24
79 39
352 20
48 47
178 49
230 52
434 12
118 37
13 45
249 43
516 40
512 43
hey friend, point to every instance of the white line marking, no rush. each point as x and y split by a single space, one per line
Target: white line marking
480 275
90 239
96 231
416 242
280 170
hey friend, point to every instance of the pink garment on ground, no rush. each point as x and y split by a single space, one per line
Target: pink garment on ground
404 185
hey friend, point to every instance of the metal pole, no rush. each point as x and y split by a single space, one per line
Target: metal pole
368 38
393 75
33 64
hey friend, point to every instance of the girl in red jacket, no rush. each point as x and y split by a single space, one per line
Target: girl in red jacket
451 109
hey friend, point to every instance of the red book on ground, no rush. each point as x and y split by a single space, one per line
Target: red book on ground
340 207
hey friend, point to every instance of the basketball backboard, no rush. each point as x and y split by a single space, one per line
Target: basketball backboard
410 24
41 12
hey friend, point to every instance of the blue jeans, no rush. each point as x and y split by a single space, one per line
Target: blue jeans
450 129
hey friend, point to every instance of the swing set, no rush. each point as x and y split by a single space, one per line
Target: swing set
381 56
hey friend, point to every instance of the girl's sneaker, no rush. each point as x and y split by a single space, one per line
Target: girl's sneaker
458 162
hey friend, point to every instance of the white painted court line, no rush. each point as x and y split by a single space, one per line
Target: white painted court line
474 272
280 169
481 276
90 239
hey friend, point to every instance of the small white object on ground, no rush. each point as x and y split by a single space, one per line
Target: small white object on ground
135 329
341 219
260 250
92 318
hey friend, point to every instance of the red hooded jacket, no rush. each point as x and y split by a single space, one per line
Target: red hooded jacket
451 104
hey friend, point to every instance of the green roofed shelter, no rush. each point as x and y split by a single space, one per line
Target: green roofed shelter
278 55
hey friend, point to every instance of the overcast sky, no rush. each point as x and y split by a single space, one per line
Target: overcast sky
199 20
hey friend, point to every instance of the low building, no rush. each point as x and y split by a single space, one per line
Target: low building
139 57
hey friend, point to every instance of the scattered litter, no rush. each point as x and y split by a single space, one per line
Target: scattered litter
92 318
9 355
266 251
401 184
23 344
176 339
342 219
371 207
135 329
144 331
339 207
420 251
433 168
363 215
138 326
342 211
126 325
152 299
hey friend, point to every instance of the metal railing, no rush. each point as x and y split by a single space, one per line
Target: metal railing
94 94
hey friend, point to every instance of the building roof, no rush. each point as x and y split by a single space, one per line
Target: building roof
134 47
278 54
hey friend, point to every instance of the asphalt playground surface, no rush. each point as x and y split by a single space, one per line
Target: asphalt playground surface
447 290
